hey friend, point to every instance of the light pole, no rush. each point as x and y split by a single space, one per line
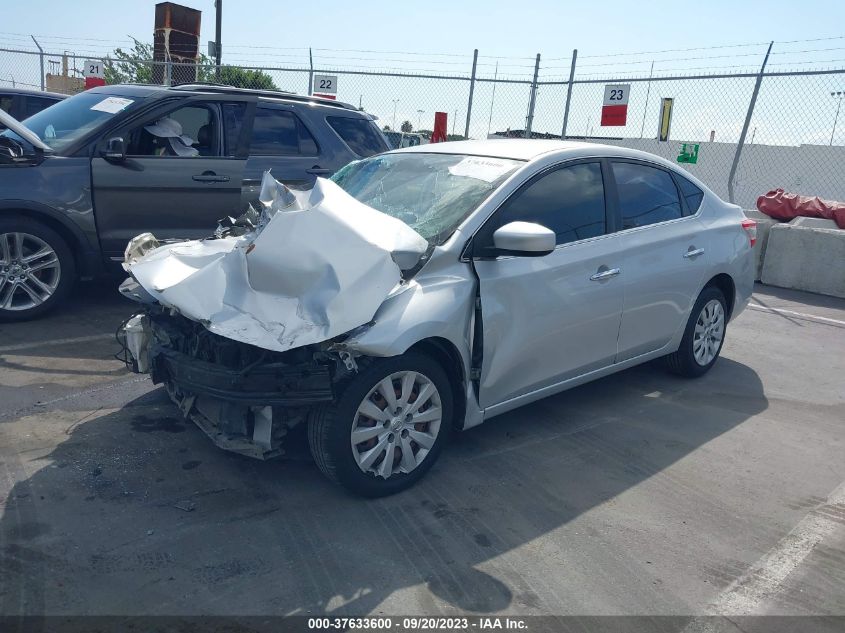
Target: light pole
419 118
395 101
838 94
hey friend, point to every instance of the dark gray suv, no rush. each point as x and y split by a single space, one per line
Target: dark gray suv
81 178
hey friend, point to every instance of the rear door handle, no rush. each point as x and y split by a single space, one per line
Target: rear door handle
605 274
318 171
694 253
210 176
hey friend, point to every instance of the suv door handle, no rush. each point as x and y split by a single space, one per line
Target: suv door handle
695 252
210 176
318 171
605 274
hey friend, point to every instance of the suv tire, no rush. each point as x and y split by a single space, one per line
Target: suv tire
49 277
421 391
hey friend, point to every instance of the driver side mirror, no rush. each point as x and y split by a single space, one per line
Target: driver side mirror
115 150
525 239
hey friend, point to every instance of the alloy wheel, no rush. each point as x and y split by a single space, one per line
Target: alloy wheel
396 424
29 271
709 331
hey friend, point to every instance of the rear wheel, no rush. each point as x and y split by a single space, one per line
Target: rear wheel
387 427
37 270
703 337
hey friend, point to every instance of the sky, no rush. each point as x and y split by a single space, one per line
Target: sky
613 39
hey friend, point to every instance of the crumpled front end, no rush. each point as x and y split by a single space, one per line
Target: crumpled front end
245 329
245 398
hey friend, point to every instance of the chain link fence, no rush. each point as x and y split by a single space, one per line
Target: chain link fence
793 139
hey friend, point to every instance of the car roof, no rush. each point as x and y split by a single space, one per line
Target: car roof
532 149
35 93
143 90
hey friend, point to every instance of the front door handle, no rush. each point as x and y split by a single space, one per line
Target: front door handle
605 274
210 176
319 171
693 252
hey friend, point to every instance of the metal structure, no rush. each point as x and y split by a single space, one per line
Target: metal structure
774 128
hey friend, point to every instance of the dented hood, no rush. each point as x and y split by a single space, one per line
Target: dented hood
319 264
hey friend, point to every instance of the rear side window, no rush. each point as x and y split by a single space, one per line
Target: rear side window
692 194
569 201
280 133
646 195
361 135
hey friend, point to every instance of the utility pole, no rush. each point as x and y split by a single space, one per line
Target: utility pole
218 30
839 94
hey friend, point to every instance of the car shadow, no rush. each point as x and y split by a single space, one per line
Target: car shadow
136 512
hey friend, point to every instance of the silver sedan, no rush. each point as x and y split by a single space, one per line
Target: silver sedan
549 264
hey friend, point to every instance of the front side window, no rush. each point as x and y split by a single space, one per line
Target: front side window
569 201
361 135
647 195
431 193
280 133
187 132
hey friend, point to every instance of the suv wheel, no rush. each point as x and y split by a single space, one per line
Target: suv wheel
703 337
387 427
37 270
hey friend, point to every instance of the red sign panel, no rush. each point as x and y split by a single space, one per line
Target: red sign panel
614 114
333 97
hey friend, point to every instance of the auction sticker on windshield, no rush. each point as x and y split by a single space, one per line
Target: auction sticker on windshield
486 169
112 105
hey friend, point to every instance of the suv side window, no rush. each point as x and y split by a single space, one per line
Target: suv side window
647 195
6 103
692 194
199 124
280 133
361 135
569 201
34 105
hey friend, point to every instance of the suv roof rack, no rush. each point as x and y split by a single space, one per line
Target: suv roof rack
272 94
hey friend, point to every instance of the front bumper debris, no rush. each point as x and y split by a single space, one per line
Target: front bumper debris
246 399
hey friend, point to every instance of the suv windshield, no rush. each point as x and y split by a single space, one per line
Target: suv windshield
431 193
63 123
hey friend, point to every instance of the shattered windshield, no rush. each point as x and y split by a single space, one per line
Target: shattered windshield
431 193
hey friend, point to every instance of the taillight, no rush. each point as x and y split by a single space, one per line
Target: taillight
750 227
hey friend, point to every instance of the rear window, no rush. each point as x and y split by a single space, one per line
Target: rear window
361 135
692 194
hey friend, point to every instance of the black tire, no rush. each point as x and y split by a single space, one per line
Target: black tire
66 272
683 362
330 427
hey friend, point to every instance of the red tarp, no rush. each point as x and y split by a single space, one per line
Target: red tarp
784 206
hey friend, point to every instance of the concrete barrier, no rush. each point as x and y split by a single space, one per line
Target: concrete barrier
764 223
806 254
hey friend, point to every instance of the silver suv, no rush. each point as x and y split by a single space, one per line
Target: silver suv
544 265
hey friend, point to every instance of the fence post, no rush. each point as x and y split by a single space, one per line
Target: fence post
745 125
40 59
471 90
568 95
310 72
529 121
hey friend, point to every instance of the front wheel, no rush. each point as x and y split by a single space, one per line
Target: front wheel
37 270
703 337
387 427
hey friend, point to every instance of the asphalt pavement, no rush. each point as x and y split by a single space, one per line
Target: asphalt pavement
639 494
